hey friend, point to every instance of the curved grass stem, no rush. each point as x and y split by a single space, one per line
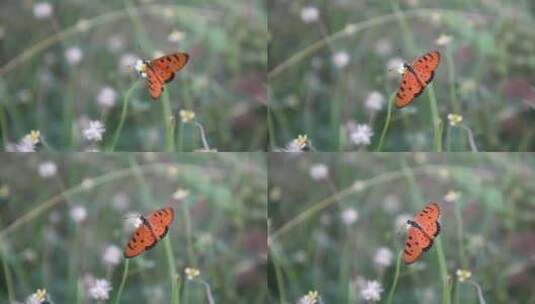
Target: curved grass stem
435 120
123 282
387 123
111 148
395 282
173 275
446 280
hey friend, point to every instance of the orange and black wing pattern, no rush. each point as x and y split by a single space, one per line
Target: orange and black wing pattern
421 233
162 70
160 220
142 239
153 229
416 77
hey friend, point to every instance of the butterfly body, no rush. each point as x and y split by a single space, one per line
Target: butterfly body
421 232
416 77
161 70
152 229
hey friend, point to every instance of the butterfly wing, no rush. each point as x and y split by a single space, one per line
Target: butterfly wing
141 240
427 219
154 83
409 88
416 243
167 65
160 221
426 65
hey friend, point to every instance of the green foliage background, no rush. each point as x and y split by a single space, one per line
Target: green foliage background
488 229
486 73
219 228
223 83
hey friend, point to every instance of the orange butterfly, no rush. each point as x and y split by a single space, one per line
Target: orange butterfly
152 229
423 230
416 77
161 70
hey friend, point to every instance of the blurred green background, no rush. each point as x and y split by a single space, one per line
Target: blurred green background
60 215
65 63
337 221
332 66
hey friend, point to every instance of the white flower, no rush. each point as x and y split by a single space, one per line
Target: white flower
372 291
396 64
298 144
310 14
100 289
133 221
180 194
452 196
341 59
73 55
94 131
401 220
126 62
383 257
106 97
176 36
361 135
25 145
42 10
78 213
47 169
443 40
319 172
310 298
374 101
349 216
36 298
112 255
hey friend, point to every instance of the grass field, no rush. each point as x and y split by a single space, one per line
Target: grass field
63 220
337 225
64 64
332 74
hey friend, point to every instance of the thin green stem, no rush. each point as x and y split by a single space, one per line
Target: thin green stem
451 69
435 120
172 271
460 235
395 282
280 280
168 123
123 281
387 123
180 137
111 148
3 125
271 130
7 274
446 286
